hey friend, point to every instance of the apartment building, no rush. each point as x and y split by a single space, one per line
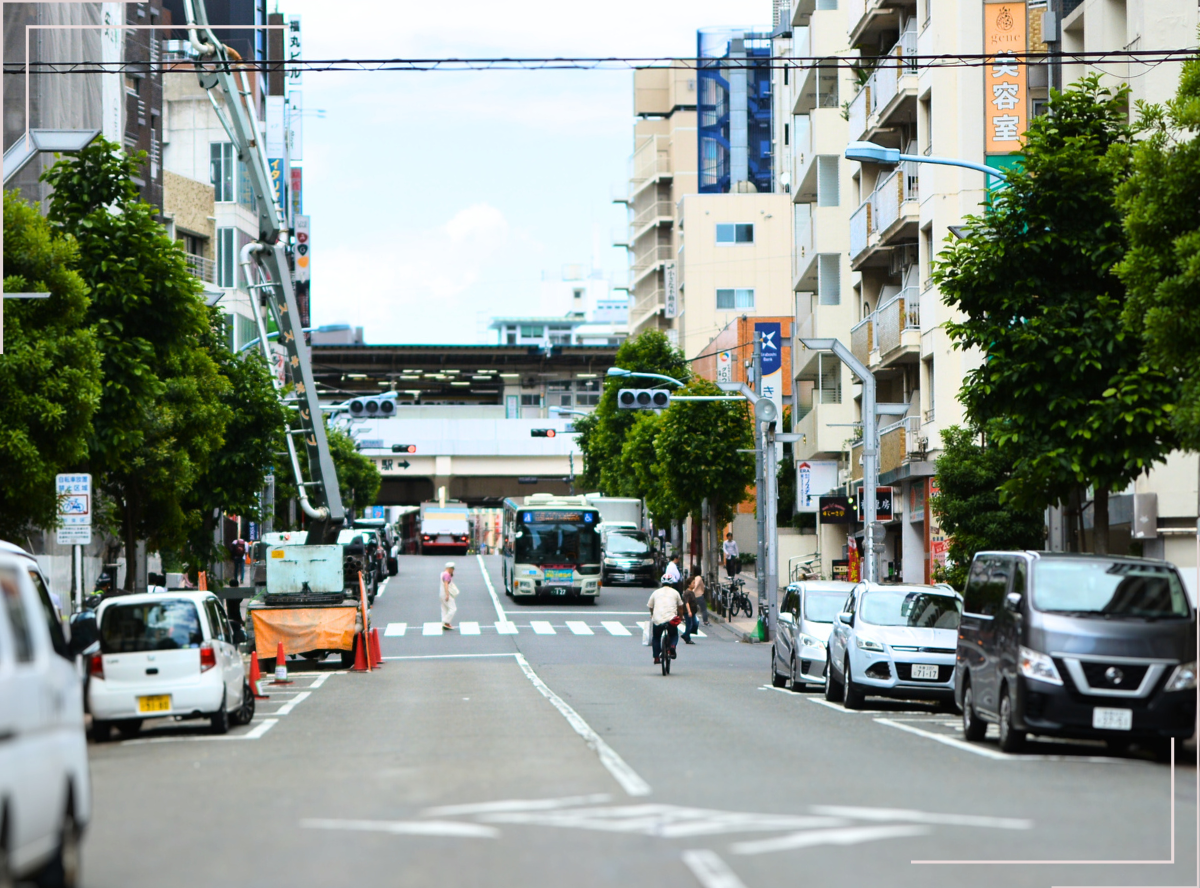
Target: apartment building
899 217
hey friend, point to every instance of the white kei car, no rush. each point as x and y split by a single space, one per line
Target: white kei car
165 655
894 641
45 787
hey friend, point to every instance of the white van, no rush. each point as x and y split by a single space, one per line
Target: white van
45 788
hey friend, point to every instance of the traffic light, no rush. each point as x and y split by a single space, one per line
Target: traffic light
371 408
542 433
404 448
643 399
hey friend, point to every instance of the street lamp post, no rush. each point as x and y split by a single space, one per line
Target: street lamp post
869 152
622 372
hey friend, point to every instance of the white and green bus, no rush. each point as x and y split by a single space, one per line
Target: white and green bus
551 547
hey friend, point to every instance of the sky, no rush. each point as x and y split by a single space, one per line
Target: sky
438 199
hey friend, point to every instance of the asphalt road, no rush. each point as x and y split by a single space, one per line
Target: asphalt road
560 755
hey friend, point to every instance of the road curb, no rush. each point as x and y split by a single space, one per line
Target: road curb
740 635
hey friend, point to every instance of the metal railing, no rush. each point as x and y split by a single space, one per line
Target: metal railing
205 269
861 338
657 209
900 185
861 226
653 256
860 109
855 10
651 159
893 318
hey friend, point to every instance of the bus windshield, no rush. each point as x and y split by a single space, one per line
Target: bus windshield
557 537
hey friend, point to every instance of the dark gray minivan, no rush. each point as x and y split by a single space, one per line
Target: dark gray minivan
1076 645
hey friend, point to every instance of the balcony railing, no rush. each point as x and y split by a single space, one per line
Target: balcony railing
861 338
657 209
855 10
651 159
898 314
900 186
860 108
914 441
205 269
653 256
892 447
861 227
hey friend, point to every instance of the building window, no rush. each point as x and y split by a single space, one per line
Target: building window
528 332
222 169
531 400
735 299
827 180
829 279
226 258
559 335
927 264
786 129
829 379
735 234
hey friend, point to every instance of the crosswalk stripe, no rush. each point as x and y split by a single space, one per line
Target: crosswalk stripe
395 629
432 629
541 627
614 628
466 628
579 627
504 627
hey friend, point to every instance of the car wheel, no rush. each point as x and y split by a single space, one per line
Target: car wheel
797 685
219 720
101 730
777 680
62 871
974 728
833 691
244 714
129 727
1011 740
852 697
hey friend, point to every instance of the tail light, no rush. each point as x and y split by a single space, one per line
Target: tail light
96 666
208 657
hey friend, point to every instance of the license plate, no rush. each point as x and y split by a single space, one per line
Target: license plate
158 703
925 672
559 577
1112 719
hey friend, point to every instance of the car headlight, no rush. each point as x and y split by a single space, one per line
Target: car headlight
868 644
1039 666
809 641
647 562
1183 678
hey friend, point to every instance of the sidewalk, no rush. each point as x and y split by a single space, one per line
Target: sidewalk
743 627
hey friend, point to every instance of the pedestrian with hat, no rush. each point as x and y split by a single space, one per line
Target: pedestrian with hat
448 594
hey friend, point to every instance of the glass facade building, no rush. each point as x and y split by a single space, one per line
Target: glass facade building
733 105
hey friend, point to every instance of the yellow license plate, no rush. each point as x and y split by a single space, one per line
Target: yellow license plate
158 703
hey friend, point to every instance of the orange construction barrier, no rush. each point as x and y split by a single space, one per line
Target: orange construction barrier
376 654
256 676
360 655
280 666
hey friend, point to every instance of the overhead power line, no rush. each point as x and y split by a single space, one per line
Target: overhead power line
602 63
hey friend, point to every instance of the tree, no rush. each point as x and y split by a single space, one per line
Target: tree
161 413
1161 270
49 372
970 474
1063 390
640 474
602 435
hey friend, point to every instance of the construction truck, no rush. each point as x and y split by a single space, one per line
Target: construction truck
310 596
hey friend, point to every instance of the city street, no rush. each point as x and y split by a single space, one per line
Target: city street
539 744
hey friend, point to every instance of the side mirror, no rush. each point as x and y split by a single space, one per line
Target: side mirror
785 617
1012 602
846 618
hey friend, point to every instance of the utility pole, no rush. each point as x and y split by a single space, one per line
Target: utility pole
760 487
771 569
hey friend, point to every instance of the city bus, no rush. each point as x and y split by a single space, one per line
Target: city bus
551 547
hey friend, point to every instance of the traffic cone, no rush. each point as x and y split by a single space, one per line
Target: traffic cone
376 653
280 666
256 676
360 655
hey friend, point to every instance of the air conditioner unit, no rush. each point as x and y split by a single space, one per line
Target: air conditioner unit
902 258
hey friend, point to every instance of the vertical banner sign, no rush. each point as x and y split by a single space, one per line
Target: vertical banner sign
74 509
1004 89
303 250
275 133
276 167
938 542
725 366
770 334
296 125
814 479
292 50
297 191
672 286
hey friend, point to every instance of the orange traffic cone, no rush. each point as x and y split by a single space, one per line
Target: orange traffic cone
376 654
360 655
280 666
256 676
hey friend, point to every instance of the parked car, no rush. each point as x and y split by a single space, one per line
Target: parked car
628 557
45 788
166 656
893 641
40 581
1078 646
806 618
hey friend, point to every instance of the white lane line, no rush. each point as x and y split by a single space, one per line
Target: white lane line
504 627
467 628
590 612
516 805
710 870
320 679
503 617
432 629
850 835
254 734
541 627
579 628
448 656
997 755
614 628
837 708
629 779
383 588
293 703
394 629
261 728
408 827
885 814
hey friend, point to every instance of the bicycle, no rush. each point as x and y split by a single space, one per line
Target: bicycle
738 599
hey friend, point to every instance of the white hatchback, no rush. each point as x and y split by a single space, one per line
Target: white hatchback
165 655
45 789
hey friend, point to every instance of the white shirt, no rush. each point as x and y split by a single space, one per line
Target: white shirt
664 603
729 547
672 572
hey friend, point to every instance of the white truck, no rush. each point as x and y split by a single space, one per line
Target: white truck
619 511
445 528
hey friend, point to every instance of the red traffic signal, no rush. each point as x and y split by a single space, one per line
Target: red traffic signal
404 448
543 433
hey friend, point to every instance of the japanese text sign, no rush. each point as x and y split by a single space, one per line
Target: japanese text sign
1004 89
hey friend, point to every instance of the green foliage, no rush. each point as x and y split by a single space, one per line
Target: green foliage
970 475
162 412
1161 270
358 478
49 372
602 435
1064 391
697 448
639 469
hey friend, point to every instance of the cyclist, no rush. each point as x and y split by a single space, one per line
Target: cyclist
664 605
